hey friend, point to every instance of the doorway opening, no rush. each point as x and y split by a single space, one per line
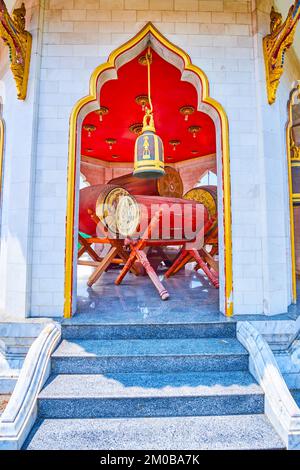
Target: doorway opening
103 130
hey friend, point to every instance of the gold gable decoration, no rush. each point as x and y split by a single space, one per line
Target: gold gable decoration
18 40
276 44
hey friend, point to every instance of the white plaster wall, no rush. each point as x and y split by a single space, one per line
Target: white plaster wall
220 37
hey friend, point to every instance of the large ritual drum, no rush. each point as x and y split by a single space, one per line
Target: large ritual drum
169 185
100 200
208 196
179 219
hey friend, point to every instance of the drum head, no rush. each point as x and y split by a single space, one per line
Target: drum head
106 207
127 215
170 185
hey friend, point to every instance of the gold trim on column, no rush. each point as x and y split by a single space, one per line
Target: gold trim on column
293 93
206 99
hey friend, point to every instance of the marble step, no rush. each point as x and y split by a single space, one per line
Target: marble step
149 355
141 395
246 432
98 330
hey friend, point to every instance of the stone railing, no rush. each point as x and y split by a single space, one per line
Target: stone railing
21 411
280 407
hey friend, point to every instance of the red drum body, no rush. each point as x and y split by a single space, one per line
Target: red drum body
109 211
100 202
179 219
207 195
169 185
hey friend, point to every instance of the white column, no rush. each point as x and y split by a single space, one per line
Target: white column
18 179
272 179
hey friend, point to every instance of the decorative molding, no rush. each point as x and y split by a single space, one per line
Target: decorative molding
21 411
18 40
276 44
280 407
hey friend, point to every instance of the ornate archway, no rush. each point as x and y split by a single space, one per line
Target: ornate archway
189 73
293 165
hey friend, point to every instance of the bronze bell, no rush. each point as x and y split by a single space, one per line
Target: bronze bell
148 151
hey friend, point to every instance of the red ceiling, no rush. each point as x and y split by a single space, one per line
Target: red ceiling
169 94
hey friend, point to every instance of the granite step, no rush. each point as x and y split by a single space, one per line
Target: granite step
144 394
97 330
296 395
149 355
247 432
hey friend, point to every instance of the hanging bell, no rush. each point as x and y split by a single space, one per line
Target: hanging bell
148 151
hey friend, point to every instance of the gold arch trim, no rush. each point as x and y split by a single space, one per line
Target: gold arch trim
292 197
205 98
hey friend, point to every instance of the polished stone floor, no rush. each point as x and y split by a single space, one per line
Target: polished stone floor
192 299
294 310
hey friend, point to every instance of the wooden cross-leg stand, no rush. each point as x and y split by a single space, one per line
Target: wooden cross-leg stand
212 276
183 258
102 266
209 260
86 248
192 254
137 253
117 254
116 251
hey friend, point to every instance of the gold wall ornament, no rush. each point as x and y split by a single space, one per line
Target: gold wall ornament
110 142
187 111
102 111
174 143
89 128
18 40
143 101
295 151
143 60
194 130
276 44
136 128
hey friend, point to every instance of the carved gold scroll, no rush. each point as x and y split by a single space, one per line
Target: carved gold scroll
275 45
18 40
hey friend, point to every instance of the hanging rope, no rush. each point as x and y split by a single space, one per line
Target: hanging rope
149 60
